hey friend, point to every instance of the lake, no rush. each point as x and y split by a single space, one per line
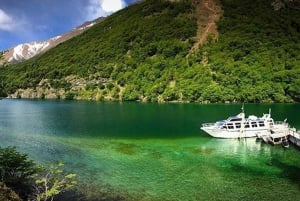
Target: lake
150 151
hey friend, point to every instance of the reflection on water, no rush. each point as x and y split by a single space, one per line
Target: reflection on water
144 162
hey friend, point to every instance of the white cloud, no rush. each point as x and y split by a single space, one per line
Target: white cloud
16 27
112 5
13 23
6 22
93 10
102 8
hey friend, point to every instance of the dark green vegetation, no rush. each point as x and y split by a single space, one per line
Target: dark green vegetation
143 53
257 57
7 194
20 176
16 170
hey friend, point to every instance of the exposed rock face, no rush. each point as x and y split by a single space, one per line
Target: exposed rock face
72 87
208 13
28 50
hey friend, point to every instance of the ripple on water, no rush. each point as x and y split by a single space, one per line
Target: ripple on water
116 159
183 169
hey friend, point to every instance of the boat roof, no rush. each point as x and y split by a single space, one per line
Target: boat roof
250 117
278 134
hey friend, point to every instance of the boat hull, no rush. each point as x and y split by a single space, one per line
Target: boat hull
240 127
295 138
246 133
223 133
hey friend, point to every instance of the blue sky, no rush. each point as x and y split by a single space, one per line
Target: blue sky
30 20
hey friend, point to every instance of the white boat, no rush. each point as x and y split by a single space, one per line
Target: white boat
277 137
295 137
240 127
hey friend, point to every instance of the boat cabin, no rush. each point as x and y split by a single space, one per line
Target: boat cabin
252 122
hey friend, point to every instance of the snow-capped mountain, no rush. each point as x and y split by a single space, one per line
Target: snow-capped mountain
28 50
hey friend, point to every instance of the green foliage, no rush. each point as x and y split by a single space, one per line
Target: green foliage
52 181
143 53
70 95
16 170
122 43
6 194
56 83
255 59
20 174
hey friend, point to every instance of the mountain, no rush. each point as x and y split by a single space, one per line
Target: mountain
28 50
163 51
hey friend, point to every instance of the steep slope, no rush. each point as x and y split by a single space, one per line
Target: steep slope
28 50
208 14
155 51
257 56
151 31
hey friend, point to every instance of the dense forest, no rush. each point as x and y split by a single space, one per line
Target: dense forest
143 52
23 179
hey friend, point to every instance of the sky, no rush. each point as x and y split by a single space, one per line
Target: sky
24 21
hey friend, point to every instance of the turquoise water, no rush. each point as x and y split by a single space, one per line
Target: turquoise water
135 151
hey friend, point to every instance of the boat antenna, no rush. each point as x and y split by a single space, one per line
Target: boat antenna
242 129
242 108
270 111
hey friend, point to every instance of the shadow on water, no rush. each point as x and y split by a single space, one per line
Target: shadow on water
248 170
95 193
133 151
290 172
77 196
126 148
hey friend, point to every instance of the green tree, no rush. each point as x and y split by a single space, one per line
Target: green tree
294 89
7 194
20 174
52 181
16 170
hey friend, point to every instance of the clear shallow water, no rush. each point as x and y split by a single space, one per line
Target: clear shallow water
153 151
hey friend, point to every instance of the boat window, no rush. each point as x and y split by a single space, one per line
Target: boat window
219 123
238 125
238 119
261 124
230 126
277 139
247 125
253 124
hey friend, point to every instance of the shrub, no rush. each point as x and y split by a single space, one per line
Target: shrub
16 170
7 194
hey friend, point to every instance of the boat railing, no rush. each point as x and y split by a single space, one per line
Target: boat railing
280 123
296 135
208 124
294 132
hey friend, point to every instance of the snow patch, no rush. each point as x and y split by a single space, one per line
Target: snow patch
10 59
92 24
87 26
56 38
18 52
28 50
35 48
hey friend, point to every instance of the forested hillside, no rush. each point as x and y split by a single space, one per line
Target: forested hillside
257 56
144 53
